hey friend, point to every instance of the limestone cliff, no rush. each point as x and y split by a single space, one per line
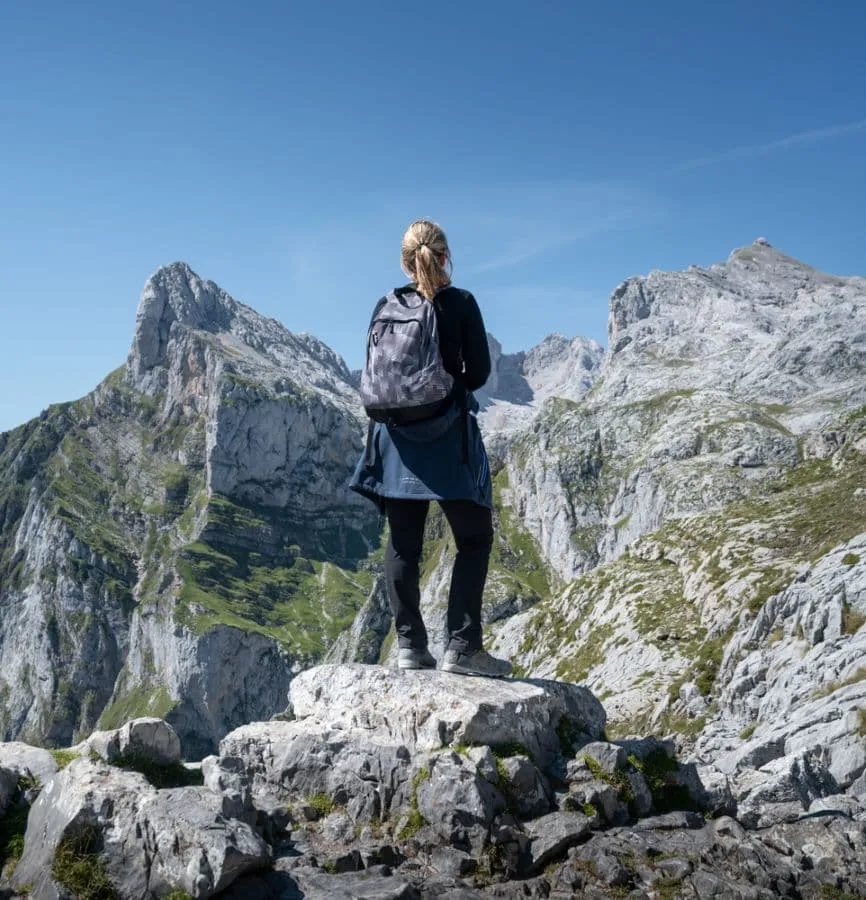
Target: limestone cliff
181 539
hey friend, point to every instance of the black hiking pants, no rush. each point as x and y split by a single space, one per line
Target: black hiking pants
472 526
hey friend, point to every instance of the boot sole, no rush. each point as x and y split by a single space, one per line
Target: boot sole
409 665
457 669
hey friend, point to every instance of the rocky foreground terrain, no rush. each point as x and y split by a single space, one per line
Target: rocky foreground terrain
382 784
681 530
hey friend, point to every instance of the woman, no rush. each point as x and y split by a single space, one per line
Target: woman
439 458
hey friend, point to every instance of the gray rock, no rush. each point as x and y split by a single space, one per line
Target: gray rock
228 778
858 787
147 738
362 643
642 798
783 790
717 797
597 793
553 834
609 756
694 701
453 862
838 804
151 841
306 883
525 787
431 709
289 762
458 802
354 886
673 820
485 763
25 760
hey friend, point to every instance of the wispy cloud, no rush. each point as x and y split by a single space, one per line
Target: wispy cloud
752 150
525 221
519 251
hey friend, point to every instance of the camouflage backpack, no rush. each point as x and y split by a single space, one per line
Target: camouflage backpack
404 379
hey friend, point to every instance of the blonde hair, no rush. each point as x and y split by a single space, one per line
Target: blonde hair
424 243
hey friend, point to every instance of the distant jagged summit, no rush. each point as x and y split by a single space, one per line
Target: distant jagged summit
174 293
760 318
185 325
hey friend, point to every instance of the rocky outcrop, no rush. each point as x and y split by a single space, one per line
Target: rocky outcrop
98 828
181 540
389 783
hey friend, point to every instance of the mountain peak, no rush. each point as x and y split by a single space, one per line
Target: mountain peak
175 293
762 242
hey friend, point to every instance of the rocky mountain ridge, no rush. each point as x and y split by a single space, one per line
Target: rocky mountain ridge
193 510
680 528
181 526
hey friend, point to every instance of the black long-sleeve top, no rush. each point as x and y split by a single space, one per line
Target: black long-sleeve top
462 337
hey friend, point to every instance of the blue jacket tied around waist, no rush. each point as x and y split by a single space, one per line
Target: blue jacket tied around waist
427 460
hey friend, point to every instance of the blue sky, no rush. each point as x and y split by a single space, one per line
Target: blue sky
282 148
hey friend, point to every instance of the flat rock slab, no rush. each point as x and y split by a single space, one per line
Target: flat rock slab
426 710
553 834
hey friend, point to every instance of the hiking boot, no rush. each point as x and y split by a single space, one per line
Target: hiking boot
412 658
477 662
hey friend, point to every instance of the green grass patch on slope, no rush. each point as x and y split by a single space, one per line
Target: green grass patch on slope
734 560
303 603
137 702
78 865
516 557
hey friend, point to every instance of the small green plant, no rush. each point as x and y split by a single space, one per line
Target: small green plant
861 722
178 894
78 866
833 686
321 803
12 828
831 892
63 757
850 559
748 731
416 821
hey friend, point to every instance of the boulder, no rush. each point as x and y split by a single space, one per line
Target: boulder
146 738
427 710
27 761
782 790
147 841
526 789
381 743
457 801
